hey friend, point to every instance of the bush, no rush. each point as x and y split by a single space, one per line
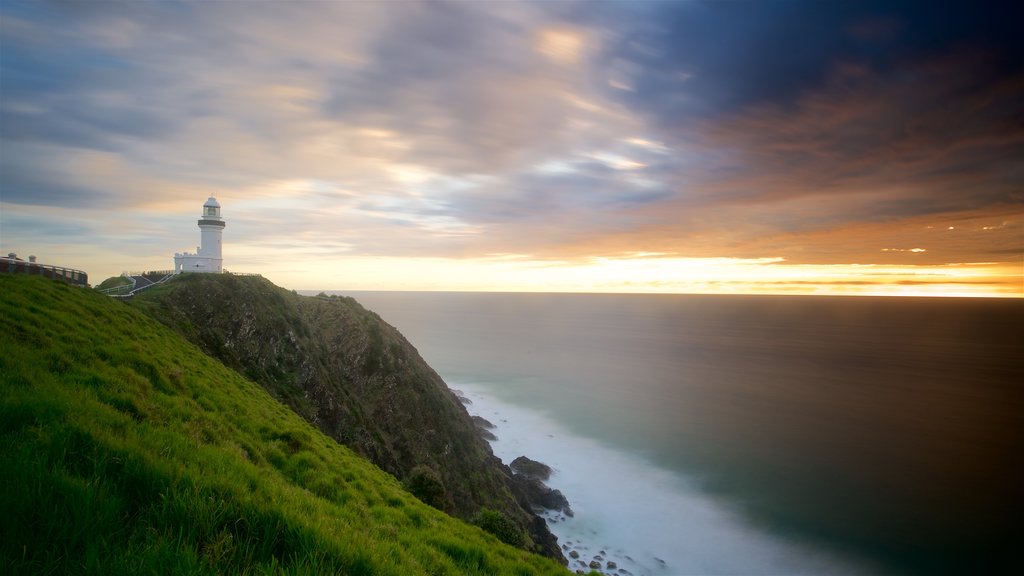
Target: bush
501 526
424 483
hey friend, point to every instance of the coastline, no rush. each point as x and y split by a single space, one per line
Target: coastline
643 520
549 444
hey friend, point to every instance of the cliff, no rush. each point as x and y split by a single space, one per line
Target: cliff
127 450
356 379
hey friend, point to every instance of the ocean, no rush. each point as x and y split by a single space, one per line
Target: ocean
701 434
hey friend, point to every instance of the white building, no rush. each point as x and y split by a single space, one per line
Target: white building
208 254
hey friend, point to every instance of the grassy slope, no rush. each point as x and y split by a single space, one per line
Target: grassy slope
351 375
125 450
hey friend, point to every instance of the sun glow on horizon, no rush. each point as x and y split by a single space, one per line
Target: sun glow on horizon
667 275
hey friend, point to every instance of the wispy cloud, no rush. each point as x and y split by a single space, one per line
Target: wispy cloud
558 132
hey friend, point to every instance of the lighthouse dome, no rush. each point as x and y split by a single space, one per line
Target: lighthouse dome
211 209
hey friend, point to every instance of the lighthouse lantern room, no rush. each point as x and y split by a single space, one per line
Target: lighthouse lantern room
208 256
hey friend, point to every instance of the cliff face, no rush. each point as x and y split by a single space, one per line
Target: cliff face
355 378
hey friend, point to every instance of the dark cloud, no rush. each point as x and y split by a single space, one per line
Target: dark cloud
713 58
938 140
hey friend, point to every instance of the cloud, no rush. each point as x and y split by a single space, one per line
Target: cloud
938 127
705 59
938 141
562 132
235 96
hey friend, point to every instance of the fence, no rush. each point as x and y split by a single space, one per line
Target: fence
68 275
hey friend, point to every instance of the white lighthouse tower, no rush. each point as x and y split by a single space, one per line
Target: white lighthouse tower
208 256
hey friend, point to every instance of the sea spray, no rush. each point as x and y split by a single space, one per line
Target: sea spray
632 515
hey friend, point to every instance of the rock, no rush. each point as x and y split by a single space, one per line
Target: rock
598 557
539 496
574 554
594 564
555 500
488 435
531 468
611 565
484 423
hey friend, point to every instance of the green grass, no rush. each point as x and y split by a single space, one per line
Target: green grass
126 450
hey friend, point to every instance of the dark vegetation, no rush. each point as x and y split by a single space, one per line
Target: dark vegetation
353 376
126 450
114 282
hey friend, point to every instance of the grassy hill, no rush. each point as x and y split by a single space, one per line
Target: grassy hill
126 450
358 380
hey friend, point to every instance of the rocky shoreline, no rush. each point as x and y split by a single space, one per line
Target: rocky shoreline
530 476
554 507
529 482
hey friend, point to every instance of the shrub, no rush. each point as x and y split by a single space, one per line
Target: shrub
500 525
424 483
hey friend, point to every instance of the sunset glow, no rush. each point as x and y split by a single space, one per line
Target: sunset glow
862 149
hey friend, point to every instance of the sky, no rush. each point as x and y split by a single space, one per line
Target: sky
767 146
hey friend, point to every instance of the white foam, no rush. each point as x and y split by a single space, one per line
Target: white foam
646 519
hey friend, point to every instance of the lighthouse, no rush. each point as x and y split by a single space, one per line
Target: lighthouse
208 256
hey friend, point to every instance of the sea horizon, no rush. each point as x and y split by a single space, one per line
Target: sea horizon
929 296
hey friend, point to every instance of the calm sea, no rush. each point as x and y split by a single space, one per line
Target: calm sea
783 433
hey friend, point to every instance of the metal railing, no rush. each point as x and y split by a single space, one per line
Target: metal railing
69 275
